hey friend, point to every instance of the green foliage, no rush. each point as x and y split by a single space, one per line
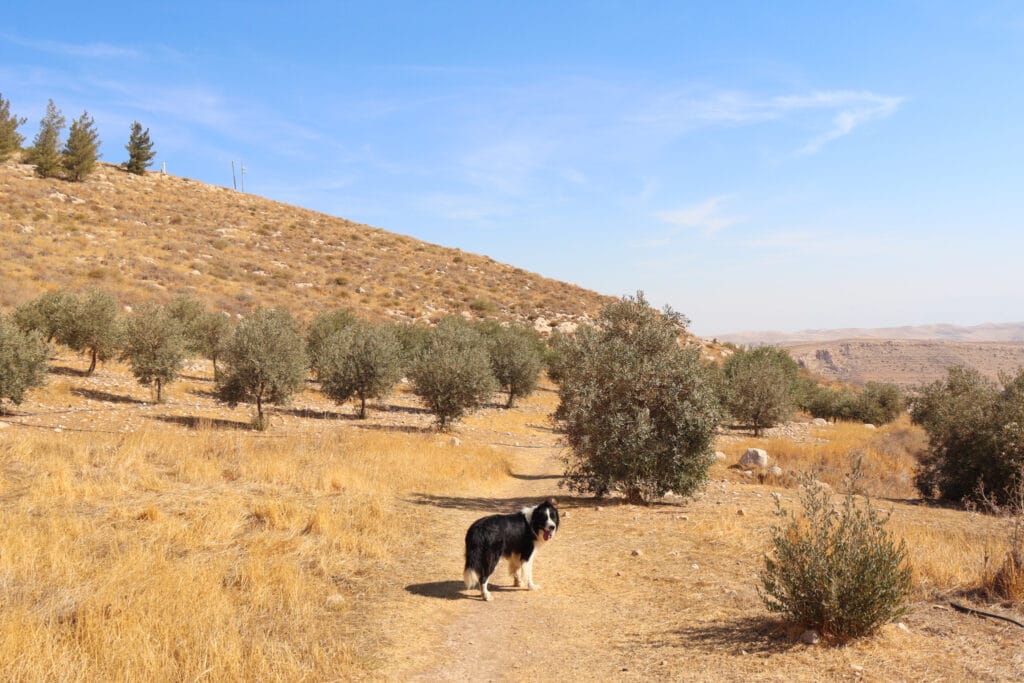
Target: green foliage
189 312
361 361
556 355
92 325
264 362
452 374
516 354
212 334
23 361
44 153
839 572
638 411
412 338
975 434
761 386
878 403
10 139
140 150
154 344
47 314
81 149
319 334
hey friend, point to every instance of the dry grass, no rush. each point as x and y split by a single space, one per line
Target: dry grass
163 555
888 455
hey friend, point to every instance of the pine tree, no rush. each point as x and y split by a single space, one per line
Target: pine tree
140 150
44 154
10 140
82 148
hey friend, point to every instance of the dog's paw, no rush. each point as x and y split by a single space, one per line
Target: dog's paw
488 597
534 587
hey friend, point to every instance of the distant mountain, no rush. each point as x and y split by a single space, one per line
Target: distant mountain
986 332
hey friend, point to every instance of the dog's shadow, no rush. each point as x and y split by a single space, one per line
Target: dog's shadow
450 590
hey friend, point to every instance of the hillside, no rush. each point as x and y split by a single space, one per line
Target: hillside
148 237
986 332
904 362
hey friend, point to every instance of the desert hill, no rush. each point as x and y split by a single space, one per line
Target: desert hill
149 237
986 332
904 362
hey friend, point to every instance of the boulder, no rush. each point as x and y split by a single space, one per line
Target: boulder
719 455
820 422
868 425
754 456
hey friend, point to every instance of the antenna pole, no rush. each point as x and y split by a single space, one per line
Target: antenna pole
241 173
234 184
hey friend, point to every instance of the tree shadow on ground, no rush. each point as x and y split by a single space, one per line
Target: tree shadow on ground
400 429
534 477
197 422
442 590
106 397
205 393
739 636
312 414
391 408
62 370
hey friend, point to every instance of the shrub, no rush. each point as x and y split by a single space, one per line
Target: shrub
839 572
23 361
556 355
188 311
212 335
154 344
412 340
761 386
879 403
318 335
363 360
638 411
264 362
452 373
47 314
975 436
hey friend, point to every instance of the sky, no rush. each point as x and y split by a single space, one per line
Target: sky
753 165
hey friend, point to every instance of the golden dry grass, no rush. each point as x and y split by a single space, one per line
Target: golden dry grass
168 555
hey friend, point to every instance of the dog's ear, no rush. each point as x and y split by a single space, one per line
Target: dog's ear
552 502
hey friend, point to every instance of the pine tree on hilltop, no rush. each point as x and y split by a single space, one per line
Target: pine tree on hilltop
140 150
10 140
44 154
82 148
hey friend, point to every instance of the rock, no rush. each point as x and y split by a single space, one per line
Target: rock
810 637
4 425
741 512
455 441
775 471
820 422
541 325
868 425
637 552
755 456
719 455
335 602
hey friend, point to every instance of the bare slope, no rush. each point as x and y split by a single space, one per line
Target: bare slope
148 237
904 362
987 332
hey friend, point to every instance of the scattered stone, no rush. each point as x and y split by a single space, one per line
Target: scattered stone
903 627
820 422
335 602
868 425
776 471
695 566
810 637
719 455
741 512
637 552
4 425
455 441
755 456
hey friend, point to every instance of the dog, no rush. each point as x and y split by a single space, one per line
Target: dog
514 537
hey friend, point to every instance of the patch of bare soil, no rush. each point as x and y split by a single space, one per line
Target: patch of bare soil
667 591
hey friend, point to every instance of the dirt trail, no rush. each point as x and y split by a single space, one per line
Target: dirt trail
666 592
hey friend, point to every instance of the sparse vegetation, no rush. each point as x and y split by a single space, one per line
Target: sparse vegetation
638 411
842 573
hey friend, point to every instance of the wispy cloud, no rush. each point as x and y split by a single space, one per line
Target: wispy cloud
83 50
706 215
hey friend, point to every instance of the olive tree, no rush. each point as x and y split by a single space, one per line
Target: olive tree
361 361
452 373
264 362
638 411
155 345
761 386
92 325
23 361
517 358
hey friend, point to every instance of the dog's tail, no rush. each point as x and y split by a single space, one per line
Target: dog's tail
471 578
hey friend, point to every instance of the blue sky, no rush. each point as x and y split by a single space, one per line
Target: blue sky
755 166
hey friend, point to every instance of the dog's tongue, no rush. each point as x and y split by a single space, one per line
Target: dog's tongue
547 535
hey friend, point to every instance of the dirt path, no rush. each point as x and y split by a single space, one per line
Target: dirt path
667 592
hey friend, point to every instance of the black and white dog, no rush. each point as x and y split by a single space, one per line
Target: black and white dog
514 537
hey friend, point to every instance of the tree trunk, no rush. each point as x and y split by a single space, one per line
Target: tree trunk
362 407
159 386
511 398
92 365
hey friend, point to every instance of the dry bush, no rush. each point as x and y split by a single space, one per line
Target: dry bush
163 555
